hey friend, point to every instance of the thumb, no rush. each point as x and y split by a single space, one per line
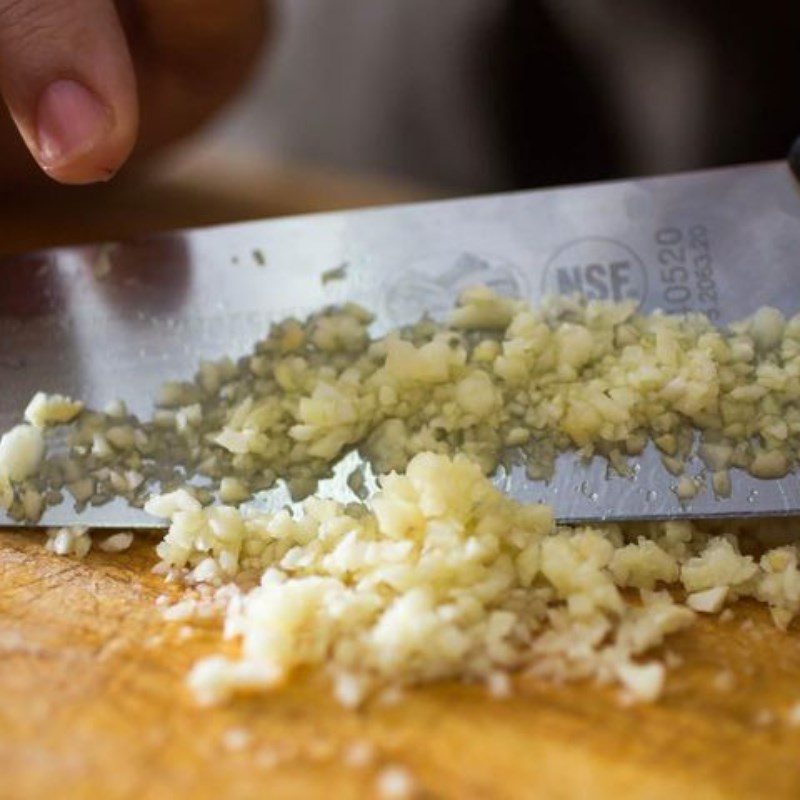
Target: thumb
67 79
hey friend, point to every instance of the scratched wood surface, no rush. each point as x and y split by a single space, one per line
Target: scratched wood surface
94 705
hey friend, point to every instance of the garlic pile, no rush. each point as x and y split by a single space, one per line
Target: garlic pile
440 575
500 380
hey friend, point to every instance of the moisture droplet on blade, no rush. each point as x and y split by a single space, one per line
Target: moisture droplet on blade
586 491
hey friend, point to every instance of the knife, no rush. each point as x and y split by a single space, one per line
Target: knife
116 320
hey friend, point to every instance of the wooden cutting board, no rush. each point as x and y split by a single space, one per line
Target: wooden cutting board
94 705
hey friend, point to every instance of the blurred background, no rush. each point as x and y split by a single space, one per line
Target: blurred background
476 95
356 102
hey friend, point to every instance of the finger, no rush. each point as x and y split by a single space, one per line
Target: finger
68 81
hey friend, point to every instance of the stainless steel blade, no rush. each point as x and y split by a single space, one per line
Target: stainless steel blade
106 321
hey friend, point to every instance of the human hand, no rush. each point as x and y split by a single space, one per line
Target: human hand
87 80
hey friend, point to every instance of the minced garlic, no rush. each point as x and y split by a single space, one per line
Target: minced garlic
498 376
441 575
51 409
117 542
21 451
75 541
395 783
708 601
6 492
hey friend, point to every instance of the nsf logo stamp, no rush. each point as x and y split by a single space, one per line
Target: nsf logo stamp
431 284
598 268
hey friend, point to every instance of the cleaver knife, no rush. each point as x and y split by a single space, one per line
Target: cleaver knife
115 320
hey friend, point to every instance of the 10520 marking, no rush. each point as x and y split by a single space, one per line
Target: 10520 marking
686 270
